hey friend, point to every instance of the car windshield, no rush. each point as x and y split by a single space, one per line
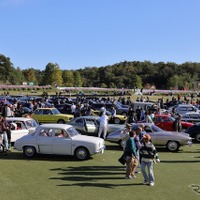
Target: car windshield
72 132
31 123
55 111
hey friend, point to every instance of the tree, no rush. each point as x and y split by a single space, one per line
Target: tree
77 79
30 75
68 78
52 75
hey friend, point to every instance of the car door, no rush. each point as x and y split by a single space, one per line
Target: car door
61 143
38 115
91 127
48 116
44 141
16 134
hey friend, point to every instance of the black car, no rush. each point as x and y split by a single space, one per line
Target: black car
194 131
64 108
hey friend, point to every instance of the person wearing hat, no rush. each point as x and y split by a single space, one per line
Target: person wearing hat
148 154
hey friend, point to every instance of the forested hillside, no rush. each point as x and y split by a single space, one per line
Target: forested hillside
120 75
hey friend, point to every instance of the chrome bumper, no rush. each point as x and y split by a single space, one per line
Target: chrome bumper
101 150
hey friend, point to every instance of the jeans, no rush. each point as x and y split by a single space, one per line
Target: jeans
150 177
5 138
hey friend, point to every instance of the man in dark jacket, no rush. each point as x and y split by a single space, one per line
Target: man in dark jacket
131 156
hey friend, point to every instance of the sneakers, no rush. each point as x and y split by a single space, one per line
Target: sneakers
130 177
137 172
146 183
152 184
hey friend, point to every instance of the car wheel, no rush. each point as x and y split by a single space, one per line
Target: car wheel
29 151
1 148
197 137
81 153
61 121
173 146
117 121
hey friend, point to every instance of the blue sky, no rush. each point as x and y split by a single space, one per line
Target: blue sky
84 33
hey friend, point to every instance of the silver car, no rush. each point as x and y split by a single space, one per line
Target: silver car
171 140
193 117
89 125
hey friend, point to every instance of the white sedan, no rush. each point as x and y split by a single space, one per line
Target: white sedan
60 139
21 126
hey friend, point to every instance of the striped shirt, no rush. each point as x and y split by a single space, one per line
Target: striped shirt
148 152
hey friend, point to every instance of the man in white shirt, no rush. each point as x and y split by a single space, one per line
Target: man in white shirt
103 125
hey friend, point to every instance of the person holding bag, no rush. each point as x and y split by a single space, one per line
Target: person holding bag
131 156
148 154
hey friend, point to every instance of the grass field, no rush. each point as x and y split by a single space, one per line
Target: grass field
99 178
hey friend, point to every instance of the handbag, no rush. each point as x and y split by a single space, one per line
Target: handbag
122 159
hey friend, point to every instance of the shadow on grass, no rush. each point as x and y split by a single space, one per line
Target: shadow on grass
181 161
92 176
42 157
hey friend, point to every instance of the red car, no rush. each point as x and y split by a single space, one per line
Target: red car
165 122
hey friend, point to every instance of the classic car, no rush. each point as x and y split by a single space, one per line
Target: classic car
165 122
51 115
171 140
89 125
21 126
194 132
193 117
119 119
59 139
64 108
184 108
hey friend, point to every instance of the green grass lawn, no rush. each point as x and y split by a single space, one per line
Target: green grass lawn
99 178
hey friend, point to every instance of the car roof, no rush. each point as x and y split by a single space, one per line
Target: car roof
185 105
19 119
63 126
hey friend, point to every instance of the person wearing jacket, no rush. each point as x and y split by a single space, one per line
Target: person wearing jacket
131 156
148 154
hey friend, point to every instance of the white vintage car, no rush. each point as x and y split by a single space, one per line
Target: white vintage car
21 126
60 139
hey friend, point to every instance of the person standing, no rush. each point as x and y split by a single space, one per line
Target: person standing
177 124
103 127
131 156
6 137
113 114
148 154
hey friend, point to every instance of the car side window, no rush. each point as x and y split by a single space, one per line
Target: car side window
46 133
89 122
61 133
38 112
80 121
47 112
147 129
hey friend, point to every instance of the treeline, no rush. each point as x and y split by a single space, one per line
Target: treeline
121 75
